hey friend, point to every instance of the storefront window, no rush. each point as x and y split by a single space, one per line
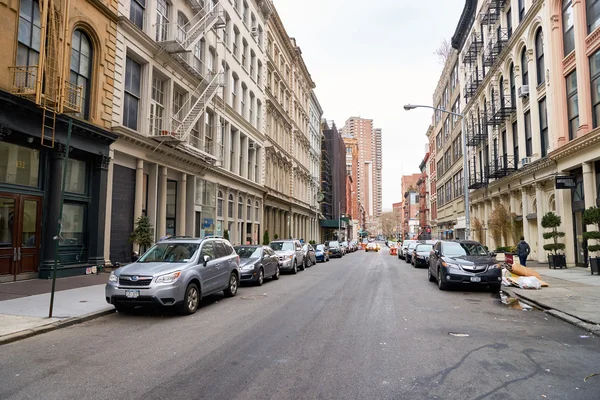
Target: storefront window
171 207
73 224
76 176
19 165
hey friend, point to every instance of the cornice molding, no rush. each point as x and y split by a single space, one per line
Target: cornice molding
590 139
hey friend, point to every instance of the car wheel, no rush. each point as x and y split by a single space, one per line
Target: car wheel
303 266
276 276
232 287
191 300
295 268
261 278
430 275
440 280
495 287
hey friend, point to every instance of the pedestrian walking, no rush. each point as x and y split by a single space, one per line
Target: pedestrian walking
523 251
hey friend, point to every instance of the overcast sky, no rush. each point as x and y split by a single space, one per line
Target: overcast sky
368 59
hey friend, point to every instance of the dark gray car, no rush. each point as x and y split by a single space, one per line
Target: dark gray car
176 273
257 263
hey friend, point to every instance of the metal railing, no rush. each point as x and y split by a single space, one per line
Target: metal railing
503 166
23 80
73 98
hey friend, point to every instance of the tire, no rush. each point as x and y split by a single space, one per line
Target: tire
303 266
191 300
232 288
295 268
440 281
430 276
495 288
276 276
261 278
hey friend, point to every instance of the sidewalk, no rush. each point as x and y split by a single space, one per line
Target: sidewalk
573 294
24 305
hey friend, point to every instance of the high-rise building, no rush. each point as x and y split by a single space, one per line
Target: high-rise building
333 182
368 181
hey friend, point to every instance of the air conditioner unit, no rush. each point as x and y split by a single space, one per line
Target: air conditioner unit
525 161
254 31
524 91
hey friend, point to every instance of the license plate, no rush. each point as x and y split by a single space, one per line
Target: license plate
475 279
132 294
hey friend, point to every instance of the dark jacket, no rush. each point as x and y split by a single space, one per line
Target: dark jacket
523 248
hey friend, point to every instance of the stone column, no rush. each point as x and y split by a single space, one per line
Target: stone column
152 207
98 210
557 116
589 184
525 199
161 215
181 207
139 195
52 209
583 74
541 210
107 223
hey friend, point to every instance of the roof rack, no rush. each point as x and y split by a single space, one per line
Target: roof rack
178 237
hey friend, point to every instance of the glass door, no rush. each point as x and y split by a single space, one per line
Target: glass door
8 235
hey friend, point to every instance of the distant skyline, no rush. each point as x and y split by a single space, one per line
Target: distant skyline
368 60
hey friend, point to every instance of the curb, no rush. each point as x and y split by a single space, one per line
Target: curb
13 337
585 325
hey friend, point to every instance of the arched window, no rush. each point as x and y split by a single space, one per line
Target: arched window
81 68
501 92
240 208
249 210
230 206
539 56
513 91
524 67
567 25
220 204
257 207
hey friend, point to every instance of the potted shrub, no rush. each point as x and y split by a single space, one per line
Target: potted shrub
591 216
276 236
226 234
143 234
552 221
266 240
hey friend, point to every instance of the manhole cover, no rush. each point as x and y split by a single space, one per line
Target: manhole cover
458 334
254 297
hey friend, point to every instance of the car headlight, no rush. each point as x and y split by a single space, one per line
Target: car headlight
450 265
168 278
248 267
495 266
113 278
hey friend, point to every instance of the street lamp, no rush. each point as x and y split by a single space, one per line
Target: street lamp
463 127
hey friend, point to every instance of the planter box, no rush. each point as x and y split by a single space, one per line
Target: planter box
595 265
557 261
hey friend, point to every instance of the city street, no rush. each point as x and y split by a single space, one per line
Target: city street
367 326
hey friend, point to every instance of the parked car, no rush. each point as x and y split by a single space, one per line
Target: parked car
463 262
420 256
290 254
372 246
409 251
404 249
335 249
176 272
344 247
257 263
321 253
309 254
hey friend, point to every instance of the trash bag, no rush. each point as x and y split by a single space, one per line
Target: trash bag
529 282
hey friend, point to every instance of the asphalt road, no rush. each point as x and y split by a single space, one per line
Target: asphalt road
367 326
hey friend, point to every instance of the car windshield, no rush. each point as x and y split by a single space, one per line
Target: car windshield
424 247
464 249
320 247
248 251
282 246
170 252
412 246
335 243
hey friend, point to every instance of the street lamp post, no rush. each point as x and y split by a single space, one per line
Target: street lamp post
463 127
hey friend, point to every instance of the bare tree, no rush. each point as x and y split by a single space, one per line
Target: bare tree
389 223
444 51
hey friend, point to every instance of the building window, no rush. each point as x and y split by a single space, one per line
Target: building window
234 85
73 224
513 89
528 136
539 55
509 22
81 68
199 56
568 31
76 176
28 51
157 105
515 137
236 40
220 204
19 165
230 207
251 109
258 114
244 53
595 78
593 15
524 67
572 104
257 211
521 10
240 208
208 132
136 12
132 93
249 210
162 20
544 127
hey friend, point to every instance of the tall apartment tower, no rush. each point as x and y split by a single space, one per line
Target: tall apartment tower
368 181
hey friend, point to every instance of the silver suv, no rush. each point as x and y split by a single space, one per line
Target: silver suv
291 256
176 272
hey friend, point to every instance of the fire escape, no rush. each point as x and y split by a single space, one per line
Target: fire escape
473 50
179 128
45 83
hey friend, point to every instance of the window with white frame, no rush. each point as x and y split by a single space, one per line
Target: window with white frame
234 89
136 12
243 100
131 105
157 104
236 41
208 132
252 62
220 204
162 20
567 25
251 109
230 206
199 56
179 97
244 53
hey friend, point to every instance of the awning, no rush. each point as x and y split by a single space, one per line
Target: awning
519 218
531 216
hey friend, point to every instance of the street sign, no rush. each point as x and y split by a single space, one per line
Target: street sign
565 182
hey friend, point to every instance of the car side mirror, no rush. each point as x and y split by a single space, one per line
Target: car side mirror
492 254
206 259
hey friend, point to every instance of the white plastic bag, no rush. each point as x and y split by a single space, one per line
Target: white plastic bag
529 282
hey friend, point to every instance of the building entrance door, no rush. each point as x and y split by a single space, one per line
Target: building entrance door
20 227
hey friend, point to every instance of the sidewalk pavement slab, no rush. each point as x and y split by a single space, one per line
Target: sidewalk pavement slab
27 316
14 290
